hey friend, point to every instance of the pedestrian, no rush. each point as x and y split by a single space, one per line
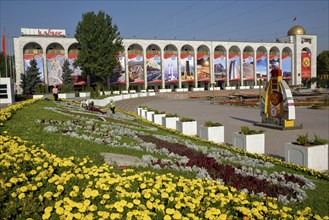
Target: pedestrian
55 93
91 107
112 106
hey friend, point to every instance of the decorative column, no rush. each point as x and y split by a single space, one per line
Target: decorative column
178 70
241 67
145 70
227 69
163 85
195 69
127 69
254 74
211 66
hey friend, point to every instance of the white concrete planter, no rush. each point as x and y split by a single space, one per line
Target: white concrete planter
169 90
142 94
38 96
132 91
216 88
134 95
230 88
257 87
169 122
149 115
179 90
188 127
116 92
215 134
314 157
151 94
84 94
162 90
126 96
66 95
150 90
157 118
254 143
139 111
143 113
195 89
143 91
244 87
107 92
124 92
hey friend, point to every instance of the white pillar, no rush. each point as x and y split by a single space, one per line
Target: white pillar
127 69
162 70
178 69
144 66
195 69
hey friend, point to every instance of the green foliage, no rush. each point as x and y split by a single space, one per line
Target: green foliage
31 79
169 115
247 131
319 141
186 119
67 77
41 89
322 62
212 124
303 139
100 43
157 112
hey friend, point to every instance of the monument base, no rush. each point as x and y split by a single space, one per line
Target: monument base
260 124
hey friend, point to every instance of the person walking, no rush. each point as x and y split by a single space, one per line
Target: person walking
55 93
112 106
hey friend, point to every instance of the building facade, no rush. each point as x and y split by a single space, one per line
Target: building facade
175 64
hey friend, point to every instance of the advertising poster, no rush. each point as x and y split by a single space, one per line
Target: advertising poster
136 68
248 67
170 67
120 71
76 71
203 67
220 67
153 68
38 58
306 65
54 68
187 67
261 65
274 62
286 67
234 67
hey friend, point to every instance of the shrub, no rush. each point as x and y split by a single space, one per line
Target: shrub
169 115
212 124
303 139
186 119
246 131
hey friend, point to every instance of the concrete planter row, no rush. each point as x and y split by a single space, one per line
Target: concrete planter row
215 134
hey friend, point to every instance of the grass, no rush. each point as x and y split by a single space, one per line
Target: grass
24 124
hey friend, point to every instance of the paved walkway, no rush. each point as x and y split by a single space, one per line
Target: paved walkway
314 121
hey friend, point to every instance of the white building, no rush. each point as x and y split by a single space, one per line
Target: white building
175 64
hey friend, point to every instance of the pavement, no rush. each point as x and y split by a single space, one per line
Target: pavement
314 121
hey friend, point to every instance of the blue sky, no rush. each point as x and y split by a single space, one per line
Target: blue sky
261 20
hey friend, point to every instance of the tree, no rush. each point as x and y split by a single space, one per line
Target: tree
31 78
100 43
322 62
2 65
67 77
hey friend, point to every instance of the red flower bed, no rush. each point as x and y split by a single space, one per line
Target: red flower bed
225 172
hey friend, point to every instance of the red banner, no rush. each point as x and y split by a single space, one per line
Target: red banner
306 65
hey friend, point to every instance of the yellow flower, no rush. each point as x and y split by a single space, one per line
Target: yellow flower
136 201
149 205
167 217
130 205
21 196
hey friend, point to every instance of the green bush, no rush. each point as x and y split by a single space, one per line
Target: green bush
212 124
303 139
169 115
186 119
246 131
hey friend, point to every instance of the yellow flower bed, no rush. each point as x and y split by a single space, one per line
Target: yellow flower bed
36 184
7 112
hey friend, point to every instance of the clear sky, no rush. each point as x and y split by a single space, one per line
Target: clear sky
261 20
